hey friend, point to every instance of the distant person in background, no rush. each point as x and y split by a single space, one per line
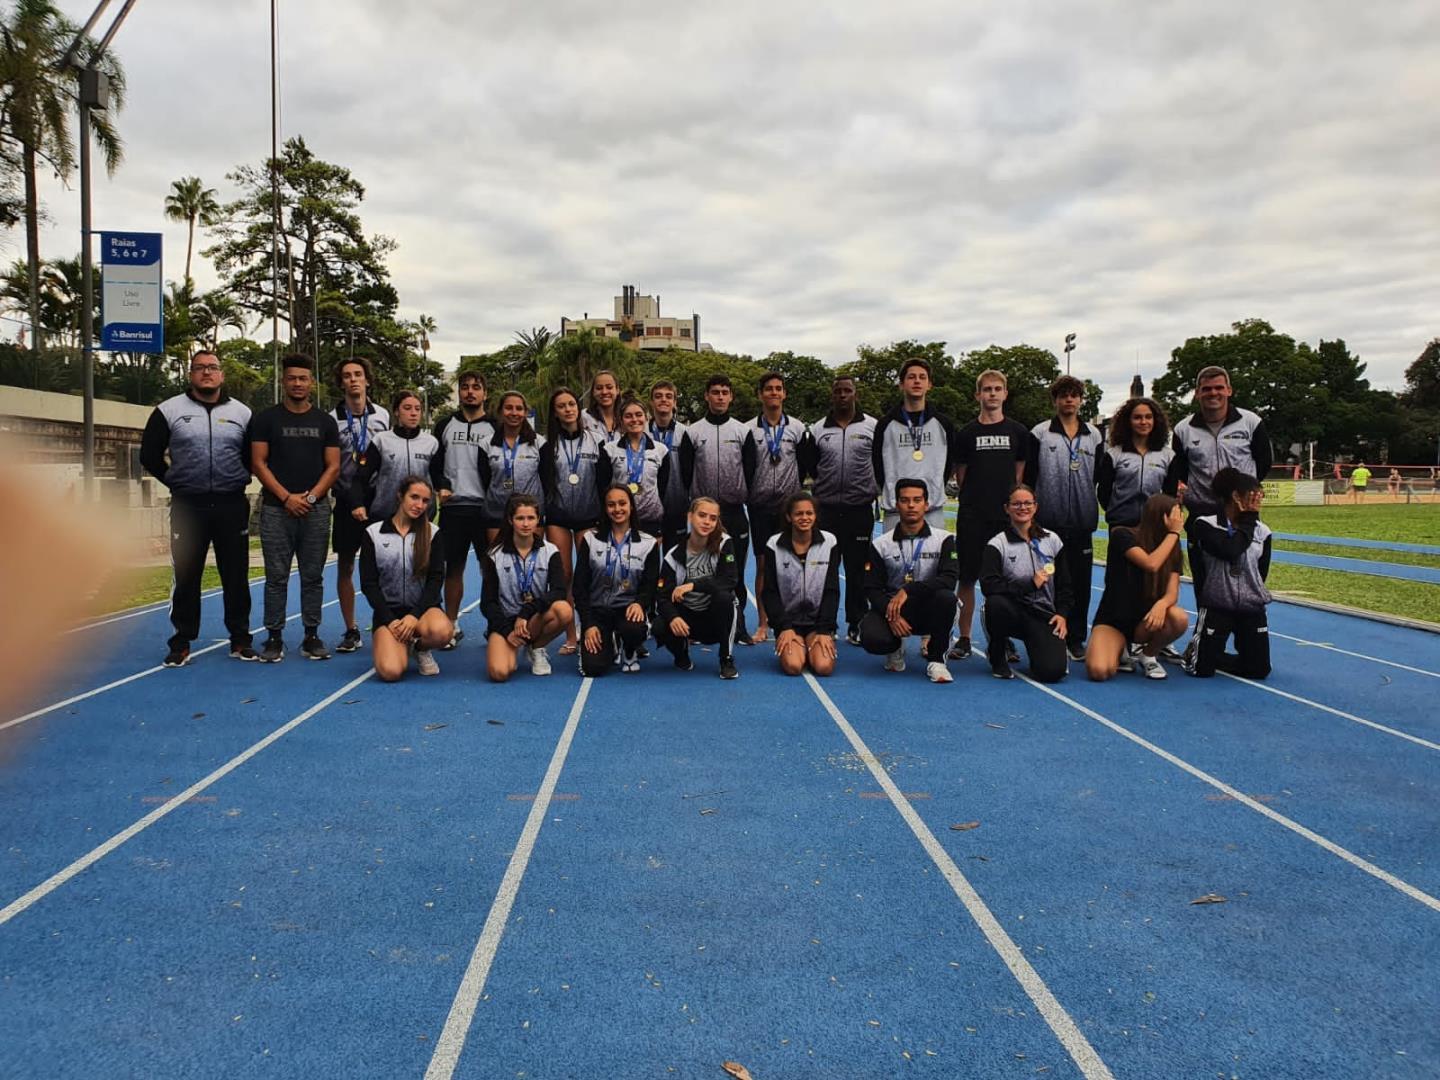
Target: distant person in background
779 443
1218 436
402 570
1392 482
841 452
1061 469
205 434
1235 546
359 420
1359 481
1141 602
295 454
1136 462
463 437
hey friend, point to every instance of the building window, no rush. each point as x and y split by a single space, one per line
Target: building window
669 331
684 331
653 331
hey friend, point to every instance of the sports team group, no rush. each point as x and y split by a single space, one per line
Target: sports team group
622 521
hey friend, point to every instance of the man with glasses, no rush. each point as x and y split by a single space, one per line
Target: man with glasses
198 445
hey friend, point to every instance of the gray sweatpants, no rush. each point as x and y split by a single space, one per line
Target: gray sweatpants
284 538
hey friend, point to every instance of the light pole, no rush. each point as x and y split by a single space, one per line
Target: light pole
93 92
1069 348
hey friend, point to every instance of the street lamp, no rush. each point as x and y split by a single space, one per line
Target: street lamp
1069 348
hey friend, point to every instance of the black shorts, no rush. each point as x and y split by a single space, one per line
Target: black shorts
553 520
462 528
971 537
1117 619
764 523
345 532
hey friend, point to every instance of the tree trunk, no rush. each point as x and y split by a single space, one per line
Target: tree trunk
32 248
189 244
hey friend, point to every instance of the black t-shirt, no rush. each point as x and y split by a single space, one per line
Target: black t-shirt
989 453
1124 581
297 444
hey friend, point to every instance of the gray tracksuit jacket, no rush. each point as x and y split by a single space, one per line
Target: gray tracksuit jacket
374 420
802 591
461 445
1237 561
1241 444
774 477
209 445
1062 472
842 461
1124 480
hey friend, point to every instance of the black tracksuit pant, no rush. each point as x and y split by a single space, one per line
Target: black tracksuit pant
930 614
852 527
613 625
1252 642
197 523
1078 554
1005 617
734 522
716 625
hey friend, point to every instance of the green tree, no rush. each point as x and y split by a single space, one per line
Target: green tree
807 383
191 201
35 112
689 371
877 374
574 359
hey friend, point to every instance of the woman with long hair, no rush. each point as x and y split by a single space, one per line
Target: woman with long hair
1235 547
642 465
616 568
1141 602
1026 587
1134 465
402 569
695 596
801 592
393 455
510 462
602 417
570 475
523 593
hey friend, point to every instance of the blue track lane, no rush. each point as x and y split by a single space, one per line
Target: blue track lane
314 910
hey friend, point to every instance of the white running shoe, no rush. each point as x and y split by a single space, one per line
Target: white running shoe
1127 658
1150 667
425 662
539 661
895 661
936 671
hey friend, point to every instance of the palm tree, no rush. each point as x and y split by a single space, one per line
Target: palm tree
35 113
215 311
191 201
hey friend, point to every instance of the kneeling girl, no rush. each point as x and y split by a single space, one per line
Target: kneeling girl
801 592
1235 547
695 596
523 596
1026 586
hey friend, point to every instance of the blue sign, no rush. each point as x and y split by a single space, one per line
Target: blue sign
131 312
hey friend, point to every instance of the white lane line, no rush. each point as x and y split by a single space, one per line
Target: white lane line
15 907
1065 1029
1332 648
132 678
1334 712
462 1010
1240 797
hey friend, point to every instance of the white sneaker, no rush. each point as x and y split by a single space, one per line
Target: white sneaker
1127 659
936 671
629 664
425 662
1150 667
539 661
895 661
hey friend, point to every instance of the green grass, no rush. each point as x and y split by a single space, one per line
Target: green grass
1406 558
1418 523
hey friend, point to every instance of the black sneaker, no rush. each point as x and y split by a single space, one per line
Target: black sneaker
727 670
350 642
853 635
455 639
744 638
1002 671
273 651
178 656
642 653
243 651
1012 654
682 659
312 648
960 650
1169 655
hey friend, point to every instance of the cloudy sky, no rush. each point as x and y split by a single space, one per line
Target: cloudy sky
811 177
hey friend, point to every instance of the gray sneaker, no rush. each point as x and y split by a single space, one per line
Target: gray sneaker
425 662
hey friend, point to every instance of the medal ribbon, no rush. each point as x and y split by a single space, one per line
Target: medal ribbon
618 552
525 571
570 459
507 454
915 428
358 443
666 437
776 441
907 566
634 463
1073 445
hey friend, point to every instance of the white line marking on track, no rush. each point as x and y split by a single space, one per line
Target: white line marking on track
1065 1029
132 678
1240 797
1335 712
462 1010
15 907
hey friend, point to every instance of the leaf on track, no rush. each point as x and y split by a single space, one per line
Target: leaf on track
353 701
738 1071
705 810
247 701
997 727
435 727
196 716
497 723
965 826
1209 898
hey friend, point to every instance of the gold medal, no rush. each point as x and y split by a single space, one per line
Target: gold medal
634 489
1049 568
573 479
918 455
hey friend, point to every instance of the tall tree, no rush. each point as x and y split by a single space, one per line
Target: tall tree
192 202
35 113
